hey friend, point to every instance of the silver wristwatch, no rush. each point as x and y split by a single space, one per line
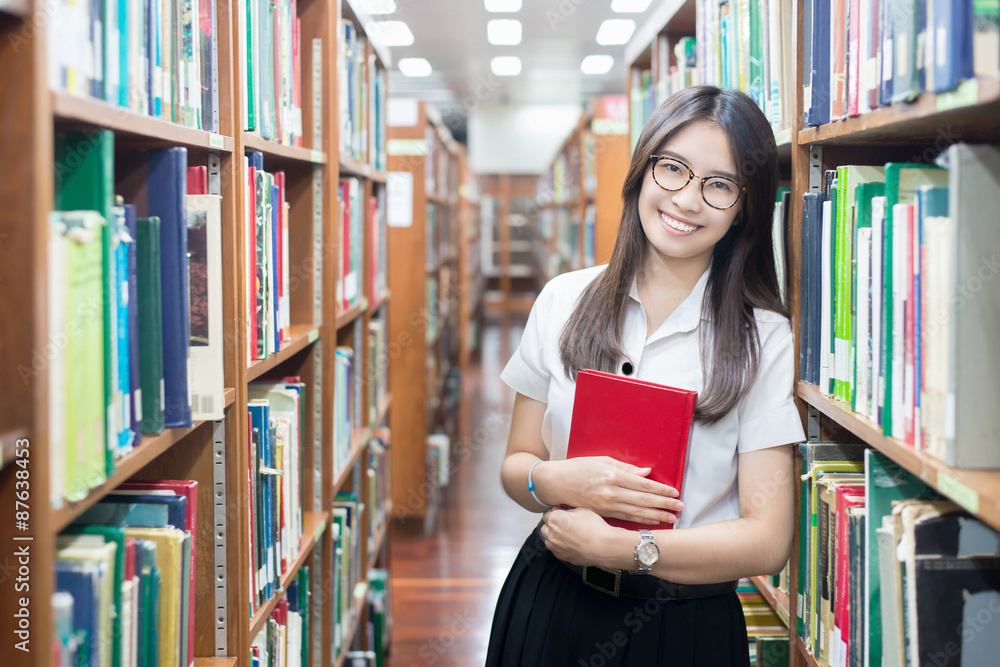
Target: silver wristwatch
646 553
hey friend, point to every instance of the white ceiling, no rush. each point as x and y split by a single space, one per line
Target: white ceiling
556 36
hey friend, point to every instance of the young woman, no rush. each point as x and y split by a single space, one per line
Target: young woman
689 299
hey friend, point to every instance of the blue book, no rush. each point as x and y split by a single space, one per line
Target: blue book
122 244
259 420
888 63
167 187
80 579
137 511
819 113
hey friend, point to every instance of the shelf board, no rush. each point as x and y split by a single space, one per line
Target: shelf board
215 662
356 168
777 599
359 440
978 491
948 116
359 606
313 525
302 335
800 646
67 108
348 316
274 149
147 450
229 396
380 300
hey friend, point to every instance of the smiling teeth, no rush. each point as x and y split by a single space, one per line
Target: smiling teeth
679 226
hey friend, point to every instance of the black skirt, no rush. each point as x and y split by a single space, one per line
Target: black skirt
547 617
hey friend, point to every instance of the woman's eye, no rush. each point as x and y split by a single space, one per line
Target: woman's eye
673 168
722 186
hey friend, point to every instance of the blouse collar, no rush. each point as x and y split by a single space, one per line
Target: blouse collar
686 316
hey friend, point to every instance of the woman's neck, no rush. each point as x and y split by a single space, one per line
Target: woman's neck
675 275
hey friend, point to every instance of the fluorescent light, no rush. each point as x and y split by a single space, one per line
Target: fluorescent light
506 65
415 66
596 64
615 31
504 32
629 6
375 7
391 33
503 5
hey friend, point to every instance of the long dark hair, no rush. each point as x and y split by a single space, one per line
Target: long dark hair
742 276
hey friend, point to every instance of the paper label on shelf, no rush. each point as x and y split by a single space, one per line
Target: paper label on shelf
216 141
783 137
399 199
402 112
320 527
609 126
313 335
316 156
965 95
350 285
958 492
407 147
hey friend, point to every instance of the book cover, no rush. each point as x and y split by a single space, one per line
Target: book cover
655 434
205 267
150 309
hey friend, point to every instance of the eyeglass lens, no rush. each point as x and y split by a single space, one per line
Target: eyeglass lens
718 192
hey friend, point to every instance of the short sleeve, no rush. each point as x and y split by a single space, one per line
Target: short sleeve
526 372
768 416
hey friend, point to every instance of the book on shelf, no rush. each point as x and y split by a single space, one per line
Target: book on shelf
347 573
864 54
271 69
127 565
362 99
351 277
284 638
888 274
155 58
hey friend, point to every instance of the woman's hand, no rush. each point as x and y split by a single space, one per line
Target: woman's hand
576 535
608 487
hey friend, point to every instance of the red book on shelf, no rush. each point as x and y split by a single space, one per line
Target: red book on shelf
847 496
251 198
197 180
373 268
642 423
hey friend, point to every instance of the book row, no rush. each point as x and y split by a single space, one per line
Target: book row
284 639
742 44
134 306
865 54
153 57
358 272
125 573
898 318
268 219
889 572
362 96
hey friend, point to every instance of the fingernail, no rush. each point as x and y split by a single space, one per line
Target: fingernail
680 506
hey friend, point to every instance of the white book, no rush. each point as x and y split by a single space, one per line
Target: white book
897 326
878 228
207 345
826 289
863 340
778 240
939 240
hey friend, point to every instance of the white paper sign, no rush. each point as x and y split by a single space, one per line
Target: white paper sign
399 199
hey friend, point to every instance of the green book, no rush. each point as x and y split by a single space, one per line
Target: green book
863 217
885 483
848 179
150 324
902 180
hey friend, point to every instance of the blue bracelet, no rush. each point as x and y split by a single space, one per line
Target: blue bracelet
531 486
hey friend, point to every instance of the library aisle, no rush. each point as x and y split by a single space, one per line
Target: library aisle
446 578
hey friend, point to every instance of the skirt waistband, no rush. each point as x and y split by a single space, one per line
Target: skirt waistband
644 586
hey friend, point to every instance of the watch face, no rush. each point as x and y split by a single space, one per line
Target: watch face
648 553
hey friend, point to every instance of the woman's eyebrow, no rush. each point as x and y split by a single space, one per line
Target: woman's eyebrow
717 172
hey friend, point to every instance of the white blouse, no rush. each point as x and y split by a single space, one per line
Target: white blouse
766 417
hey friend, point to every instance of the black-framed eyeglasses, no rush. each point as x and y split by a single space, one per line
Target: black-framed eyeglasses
672 175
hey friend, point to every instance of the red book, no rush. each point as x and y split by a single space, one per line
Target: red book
252 260
847 496
197 180
373 223
641 423
909 338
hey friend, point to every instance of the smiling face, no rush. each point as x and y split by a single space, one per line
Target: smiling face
679 225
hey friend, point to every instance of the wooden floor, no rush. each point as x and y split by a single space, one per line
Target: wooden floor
446 576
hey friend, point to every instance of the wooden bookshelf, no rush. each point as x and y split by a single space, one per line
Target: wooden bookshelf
33 115
359 601
777 599
804 655
428 250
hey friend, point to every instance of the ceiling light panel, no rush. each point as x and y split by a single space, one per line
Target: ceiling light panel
504 32
376 7
629 6
596 64
391 33
499 6
415 67
614 32
506 65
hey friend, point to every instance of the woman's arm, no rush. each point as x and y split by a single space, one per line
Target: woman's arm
757 543
606 486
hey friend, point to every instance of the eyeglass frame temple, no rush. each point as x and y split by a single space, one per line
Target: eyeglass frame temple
691 176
